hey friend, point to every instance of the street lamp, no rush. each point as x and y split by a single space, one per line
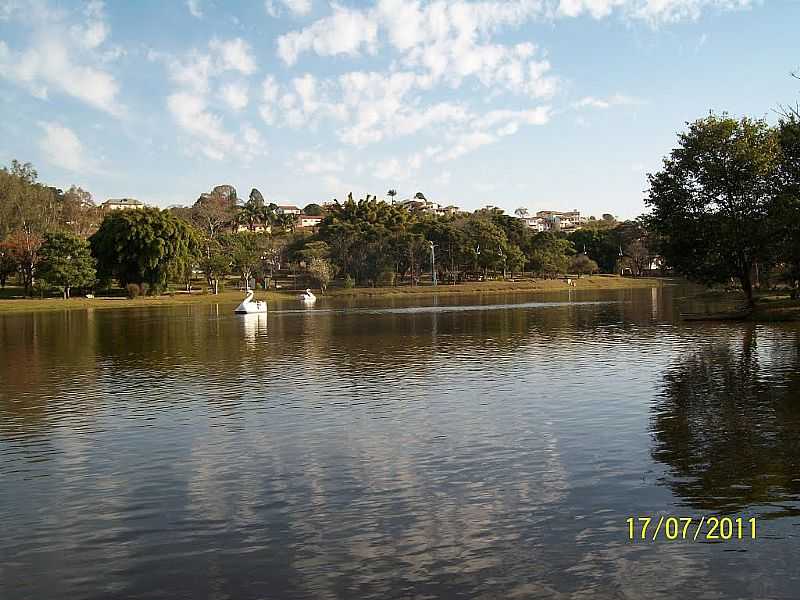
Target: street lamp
433 263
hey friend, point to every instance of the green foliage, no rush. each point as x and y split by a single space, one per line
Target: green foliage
140 246
583 265
66 262
550 254
321 272
713 198
313 210
8 263
244 251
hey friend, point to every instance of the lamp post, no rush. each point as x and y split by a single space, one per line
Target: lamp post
433 263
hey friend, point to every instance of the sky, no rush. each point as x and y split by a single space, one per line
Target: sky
543 104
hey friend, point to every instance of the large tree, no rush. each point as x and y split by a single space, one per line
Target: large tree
139 246
66 262
712 200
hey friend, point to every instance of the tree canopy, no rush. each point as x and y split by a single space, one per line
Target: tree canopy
138 246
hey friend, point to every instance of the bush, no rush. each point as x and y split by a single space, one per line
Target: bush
386 279
134 290
349 282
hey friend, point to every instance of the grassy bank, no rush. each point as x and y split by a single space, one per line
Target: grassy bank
598 282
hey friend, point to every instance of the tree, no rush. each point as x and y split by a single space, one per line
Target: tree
66 262
515 259
392 193
214 262
321 272
712 200
521 212
78 212
550 254
787 208
140 246
312 250
313 210
583 265
253 213
244 250
25 245
8 263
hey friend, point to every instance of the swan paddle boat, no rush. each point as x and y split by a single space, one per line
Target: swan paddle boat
250 306
307 297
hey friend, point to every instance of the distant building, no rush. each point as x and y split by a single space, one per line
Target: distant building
419 205
562 220
288 210
448 210
122 204
257 228
309 220
538 224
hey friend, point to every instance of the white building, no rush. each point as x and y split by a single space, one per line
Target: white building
122 204
309 220
288 210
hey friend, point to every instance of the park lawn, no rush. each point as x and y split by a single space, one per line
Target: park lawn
233 297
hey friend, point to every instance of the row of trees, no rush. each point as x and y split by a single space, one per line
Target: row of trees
61 239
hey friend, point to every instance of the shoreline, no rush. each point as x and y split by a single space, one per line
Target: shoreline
597 282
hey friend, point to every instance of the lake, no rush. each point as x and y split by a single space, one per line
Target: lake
461 447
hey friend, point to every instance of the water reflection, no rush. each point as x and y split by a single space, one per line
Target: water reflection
355 450
727 422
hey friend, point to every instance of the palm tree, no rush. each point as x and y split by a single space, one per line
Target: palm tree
521 212
392 193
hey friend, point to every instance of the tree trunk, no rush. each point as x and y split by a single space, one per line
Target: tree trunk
747 287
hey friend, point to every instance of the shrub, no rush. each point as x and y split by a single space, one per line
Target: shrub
386 278
134 290
349 282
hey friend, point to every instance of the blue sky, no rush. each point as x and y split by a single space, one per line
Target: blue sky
539 103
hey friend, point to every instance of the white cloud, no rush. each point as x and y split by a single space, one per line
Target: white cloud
195 9
64 57
654 12
62 148
346 31
234 55
297 8
603 103
316 163
235 95
269 92
212 139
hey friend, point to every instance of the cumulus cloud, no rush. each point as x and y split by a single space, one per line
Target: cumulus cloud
235 95
214 141
234 55
62 148
346 31
65 57
200 91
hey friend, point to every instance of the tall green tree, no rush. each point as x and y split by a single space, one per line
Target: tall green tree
550 254
66 262
140 246
712 200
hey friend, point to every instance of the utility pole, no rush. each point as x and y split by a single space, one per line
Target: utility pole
433 263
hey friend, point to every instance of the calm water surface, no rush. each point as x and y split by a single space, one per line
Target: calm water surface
469 447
